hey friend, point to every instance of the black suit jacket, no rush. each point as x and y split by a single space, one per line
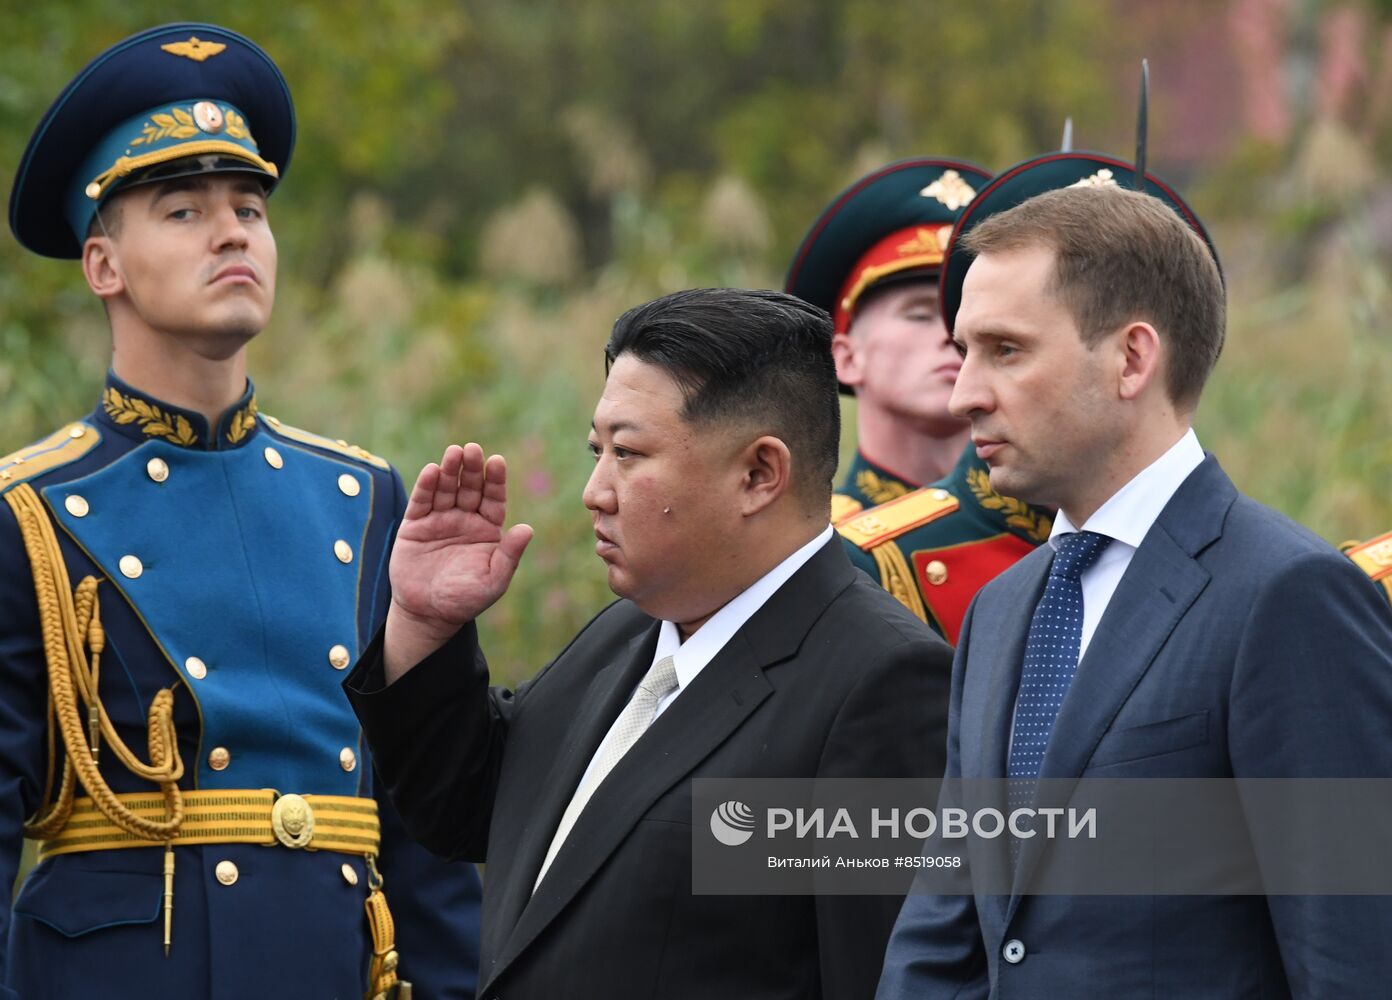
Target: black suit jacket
830 678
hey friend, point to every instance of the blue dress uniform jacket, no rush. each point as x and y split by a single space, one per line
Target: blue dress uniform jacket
242 566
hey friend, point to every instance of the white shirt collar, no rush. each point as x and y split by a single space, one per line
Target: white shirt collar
710 638
1131 511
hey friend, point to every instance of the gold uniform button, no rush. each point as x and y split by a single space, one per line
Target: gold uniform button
940 494
273 458
77 506
350 875
157 469
936 572
131 567
344 551
226 872
338 657
219 758
347 759
196 668
76 431
349 485
93 190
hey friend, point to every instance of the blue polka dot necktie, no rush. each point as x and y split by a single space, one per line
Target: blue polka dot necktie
1051 651
1051 659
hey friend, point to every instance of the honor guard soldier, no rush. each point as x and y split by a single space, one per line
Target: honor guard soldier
871 260
186 579
936 547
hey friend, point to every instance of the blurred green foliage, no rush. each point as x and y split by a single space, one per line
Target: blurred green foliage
480 189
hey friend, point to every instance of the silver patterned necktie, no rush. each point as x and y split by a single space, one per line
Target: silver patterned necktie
633 721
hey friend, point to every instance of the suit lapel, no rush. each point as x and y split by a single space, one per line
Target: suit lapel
1157 589
1001 648
604 699
713 707
1002 652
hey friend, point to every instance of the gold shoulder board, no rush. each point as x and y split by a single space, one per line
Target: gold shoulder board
1373 557
59 448
843 506
329 444
890 520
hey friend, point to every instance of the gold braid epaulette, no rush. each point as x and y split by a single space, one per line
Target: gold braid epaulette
1373 557
844 506
59 448
890 520
328 444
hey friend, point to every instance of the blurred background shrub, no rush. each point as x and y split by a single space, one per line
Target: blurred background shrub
481 188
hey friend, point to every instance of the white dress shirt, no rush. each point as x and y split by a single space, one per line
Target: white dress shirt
1126 518
691 657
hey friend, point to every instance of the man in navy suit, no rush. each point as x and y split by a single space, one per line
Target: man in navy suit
1171 628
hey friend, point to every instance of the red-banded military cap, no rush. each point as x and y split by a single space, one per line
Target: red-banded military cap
891 225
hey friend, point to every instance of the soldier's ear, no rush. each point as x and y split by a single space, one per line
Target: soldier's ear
101 267
843 352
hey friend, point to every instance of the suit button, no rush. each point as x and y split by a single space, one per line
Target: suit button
1014 951
347 759
219 758
936 571
226 872
338 657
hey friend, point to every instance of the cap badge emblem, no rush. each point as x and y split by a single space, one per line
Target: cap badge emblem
208 117
1103 178
194 49
951 190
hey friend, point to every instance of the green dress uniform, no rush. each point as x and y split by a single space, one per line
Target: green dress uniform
935 547
867 484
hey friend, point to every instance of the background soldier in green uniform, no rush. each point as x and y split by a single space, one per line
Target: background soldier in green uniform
871 260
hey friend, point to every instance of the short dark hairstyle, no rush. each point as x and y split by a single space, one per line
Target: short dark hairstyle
1121 256
749 357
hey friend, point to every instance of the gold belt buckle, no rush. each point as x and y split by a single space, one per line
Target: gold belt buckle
292 819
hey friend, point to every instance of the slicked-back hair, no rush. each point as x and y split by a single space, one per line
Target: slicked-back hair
1123 256
754 359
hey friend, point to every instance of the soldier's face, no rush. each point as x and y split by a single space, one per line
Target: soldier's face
1042 404
900 359
196 259
663 496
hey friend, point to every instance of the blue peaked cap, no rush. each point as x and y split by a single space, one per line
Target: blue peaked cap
174 100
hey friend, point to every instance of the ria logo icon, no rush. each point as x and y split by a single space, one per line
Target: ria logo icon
732 823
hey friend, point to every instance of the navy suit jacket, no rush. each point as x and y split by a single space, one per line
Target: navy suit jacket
1237 644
